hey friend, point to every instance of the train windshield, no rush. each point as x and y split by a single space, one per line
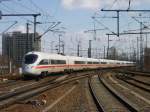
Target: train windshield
31 58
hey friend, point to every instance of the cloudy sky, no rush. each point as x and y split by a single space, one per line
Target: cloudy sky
75 17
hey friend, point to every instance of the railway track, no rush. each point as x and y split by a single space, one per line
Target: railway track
28 92
134 73
96 101
138 98
21 86
5 88
129 97
121 98
141 80
140 72
106 98
17 84
144 80
135 82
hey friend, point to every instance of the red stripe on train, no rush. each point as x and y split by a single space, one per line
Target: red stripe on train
53 66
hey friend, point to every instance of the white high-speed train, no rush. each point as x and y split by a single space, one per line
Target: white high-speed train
41 64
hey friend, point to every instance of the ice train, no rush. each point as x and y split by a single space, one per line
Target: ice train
41 64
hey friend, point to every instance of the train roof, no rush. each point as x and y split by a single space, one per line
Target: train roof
53 56
47 55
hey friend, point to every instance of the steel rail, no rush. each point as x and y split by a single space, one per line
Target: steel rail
96 101
118 96
135 85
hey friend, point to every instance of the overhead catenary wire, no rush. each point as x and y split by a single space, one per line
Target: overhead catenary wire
40 9
24 6
114 2
49 29
140 22
11 10
128 8
45 15
10 27
105 27
99 21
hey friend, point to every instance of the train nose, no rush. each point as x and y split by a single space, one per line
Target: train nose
27 69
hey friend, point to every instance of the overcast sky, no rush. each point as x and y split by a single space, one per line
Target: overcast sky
75 17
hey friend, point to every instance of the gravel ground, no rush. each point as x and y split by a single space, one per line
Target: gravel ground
10 77
50 97
78 101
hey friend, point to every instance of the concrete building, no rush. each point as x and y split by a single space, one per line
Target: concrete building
16 44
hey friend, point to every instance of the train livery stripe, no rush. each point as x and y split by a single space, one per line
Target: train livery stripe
60 66
49 66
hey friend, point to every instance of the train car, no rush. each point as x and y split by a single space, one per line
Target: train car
38 63
41 64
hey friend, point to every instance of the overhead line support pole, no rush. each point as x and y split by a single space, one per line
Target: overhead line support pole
27 31
137 50
34 38
104 53
108 46
78 50
89 49
118 17
141 46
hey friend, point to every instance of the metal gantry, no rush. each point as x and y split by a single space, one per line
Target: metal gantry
118 16
141 26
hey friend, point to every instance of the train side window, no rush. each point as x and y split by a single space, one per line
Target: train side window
89 62
95 62
53 62
103 63
79 62
61 62
44 62
58 62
